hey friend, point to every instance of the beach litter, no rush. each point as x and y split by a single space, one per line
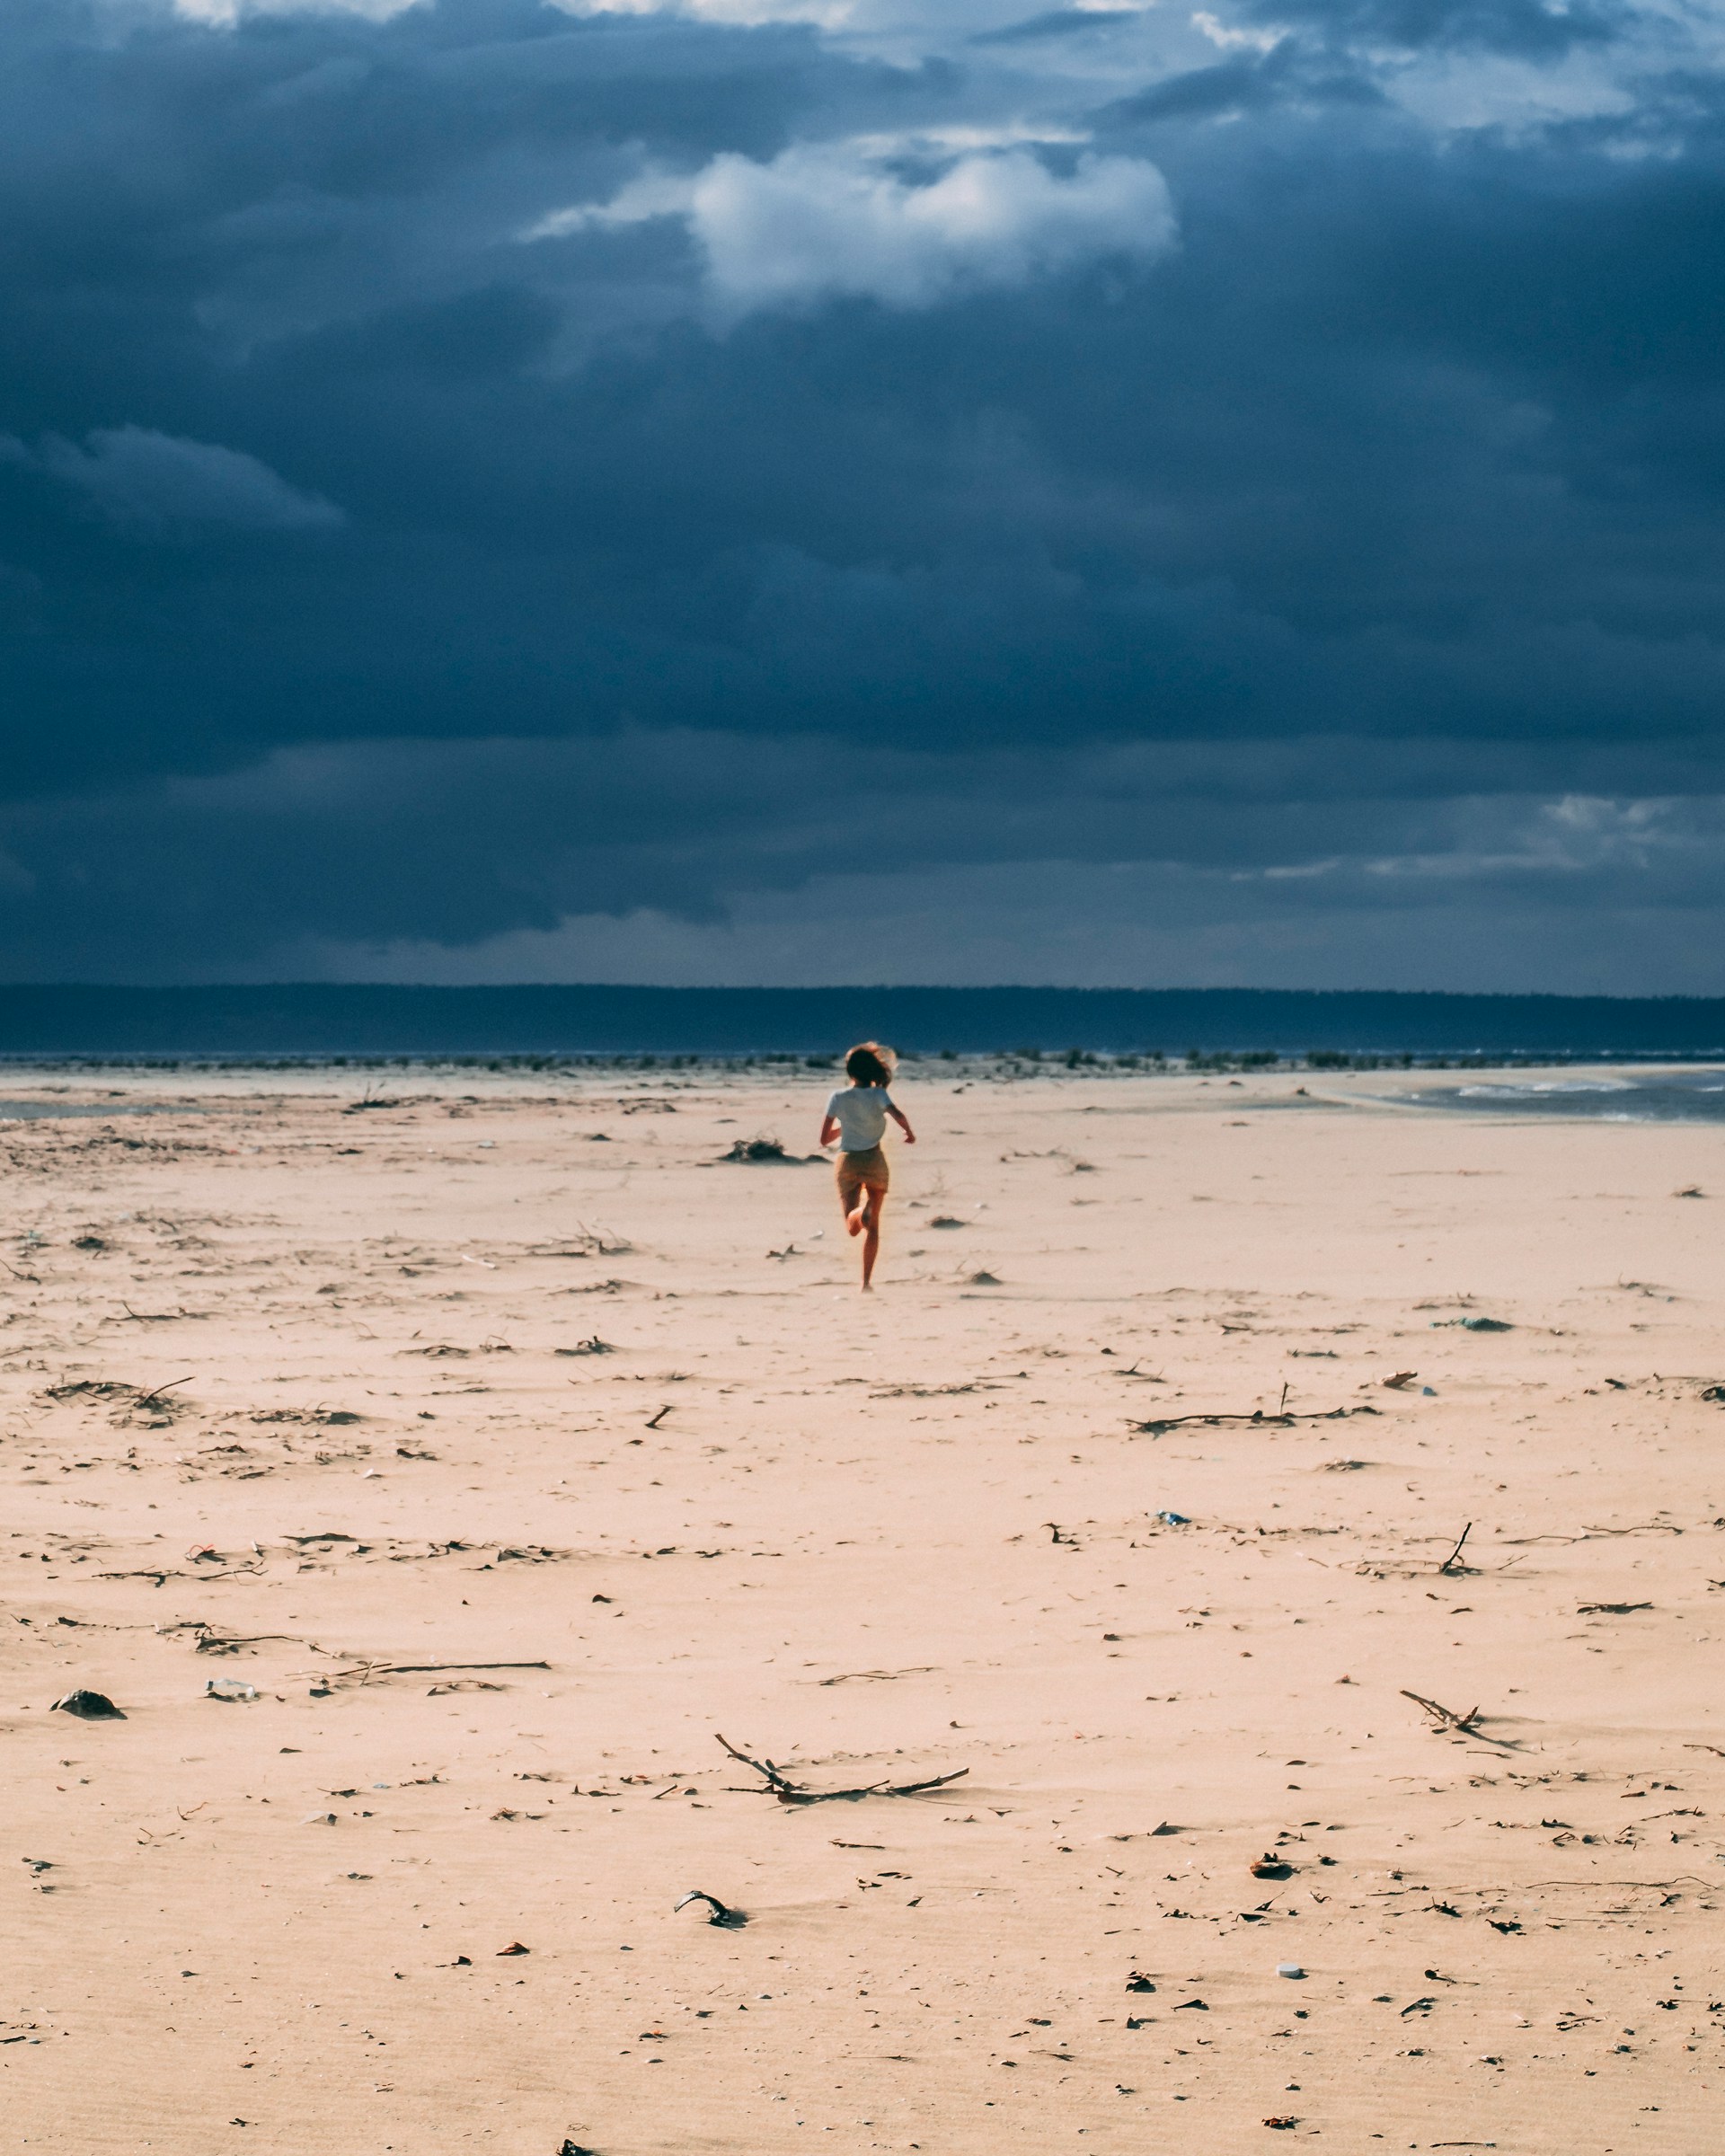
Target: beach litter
88 1706
229 1688
1291 1969
717 1912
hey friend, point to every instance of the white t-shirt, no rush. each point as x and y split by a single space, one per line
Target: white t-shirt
861 1113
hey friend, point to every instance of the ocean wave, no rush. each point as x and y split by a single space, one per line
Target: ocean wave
1683 1096
1517 1092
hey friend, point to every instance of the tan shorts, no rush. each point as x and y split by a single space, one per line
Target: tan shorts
859 1168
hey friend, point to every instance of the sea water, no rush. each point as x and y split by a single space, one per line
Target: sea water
1690 1096
27 1112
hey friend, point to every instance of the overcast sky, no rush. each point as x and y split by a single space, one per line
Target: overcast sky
798 490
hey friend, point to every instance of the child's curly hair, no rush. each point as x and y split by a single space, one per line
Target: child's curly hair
870 1064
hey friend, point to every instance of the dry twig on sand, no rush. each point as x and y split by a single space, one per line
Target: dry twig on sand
366 1671
1446 1717
1258 1416
417 1669
793 1792
154 1398
1449 1563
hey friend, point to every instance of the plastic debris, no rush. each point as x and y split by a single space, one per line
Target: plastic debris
89 1707
1289 1968
318 1819
1174 1519
731 1919
229 1688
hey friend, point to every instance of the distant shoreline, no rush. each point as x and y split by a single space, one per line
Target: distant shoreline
317 1020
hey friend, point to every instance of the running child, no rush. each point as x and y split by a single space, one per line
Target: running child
856 1115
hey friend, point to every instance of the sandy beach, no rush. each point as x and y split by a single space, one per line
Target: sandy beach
501 1445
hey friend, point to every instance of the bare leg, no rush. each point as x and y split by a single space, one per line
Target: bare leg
873 1200
853 1200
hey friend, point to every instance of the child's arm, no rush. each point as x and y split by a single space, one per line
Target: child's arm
828 1129
910 1135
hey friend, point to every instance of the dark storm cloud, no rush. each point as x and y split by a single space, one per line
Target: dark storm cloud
1057 23
442 490
1525 29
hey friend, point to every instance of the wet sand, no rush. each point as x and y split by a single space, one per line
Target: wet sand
511 1446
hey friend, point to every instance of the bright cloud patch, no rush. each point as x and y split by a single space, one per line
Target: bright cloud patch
828 220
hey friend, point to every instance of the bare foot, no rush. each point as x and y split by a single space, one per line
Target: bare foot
854 1224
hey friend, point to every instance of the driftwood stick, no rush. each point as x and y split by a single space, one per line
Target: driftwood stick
418 1669
210 1642
793 1792
916 1788
774 1779
788 1795
1446 1717
1154 1428
144 1399
363 1671
1449 1564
